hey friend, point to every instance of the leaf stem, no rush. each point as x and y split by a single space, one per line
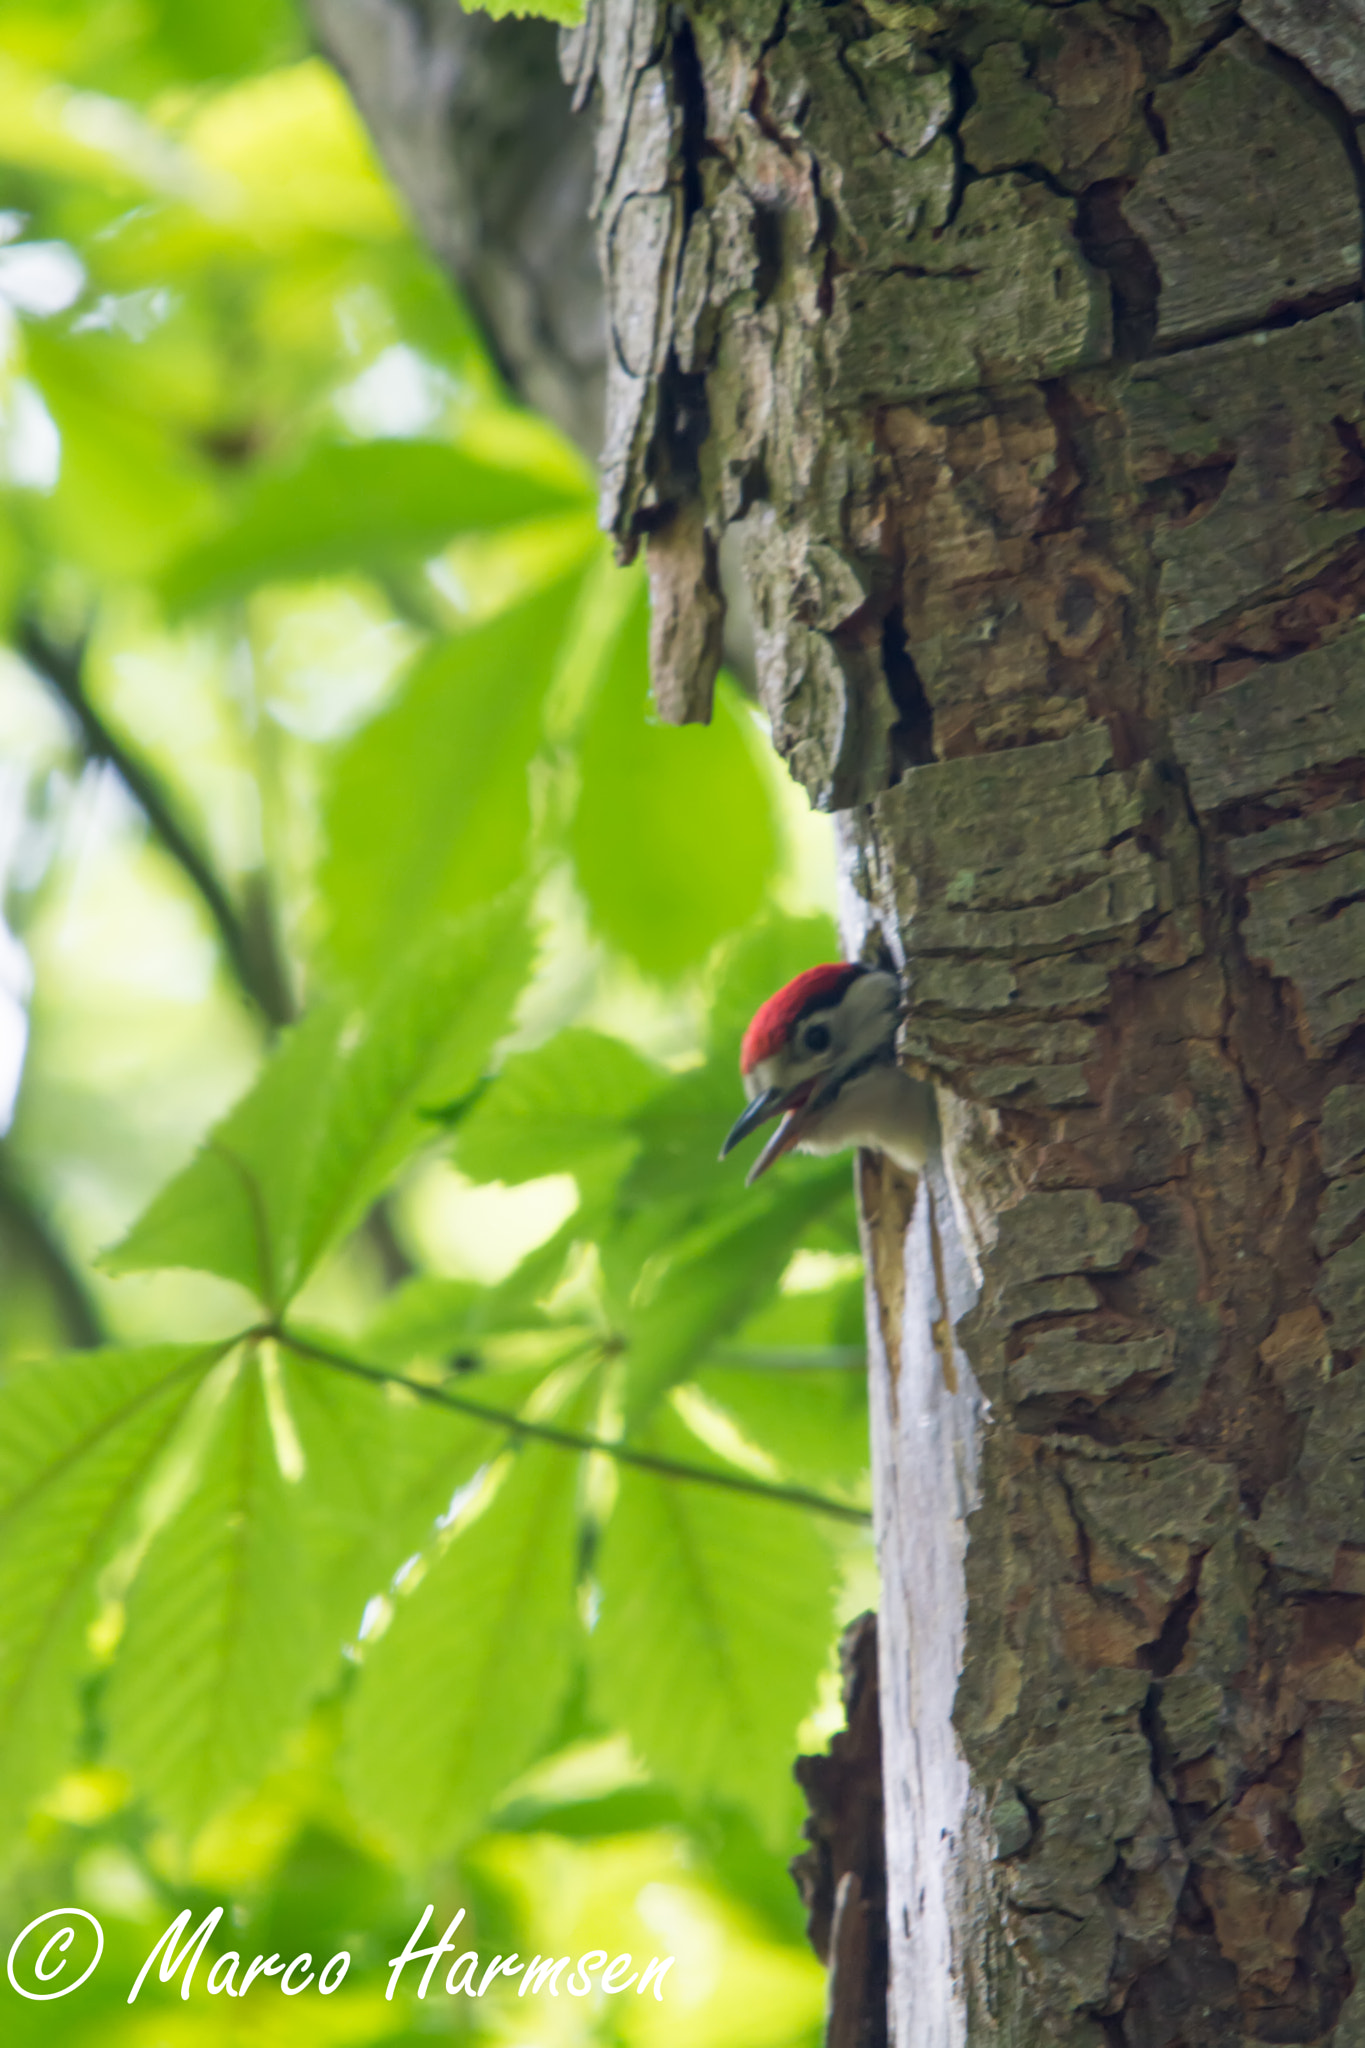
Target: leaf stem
569 1439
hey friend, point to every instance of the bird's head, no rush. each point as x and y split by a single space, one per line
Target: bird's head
816 1038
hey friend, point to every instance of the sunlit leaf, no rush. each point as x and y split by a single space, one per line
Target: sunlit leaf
674 839
810 1318
127 491
119 153
222 1639
79 1437
702 1286
430 805
431 1317
812 1421
373 504
715 1622
195 41
378 1466
679 1133
292 152
569 12
334 1114
559 1109
456 1696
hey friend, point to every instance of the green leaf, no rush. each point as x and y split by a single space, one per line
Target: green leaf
78 1439
674 839
430 806
567 12
814 1423
706 1283
424 1317
334 1114
373 504
217 42
222 1641
457 1696
463 1323
715 1623
129 489
425 1037
235 1208
680 1131
833 1315
559 1109
380 1465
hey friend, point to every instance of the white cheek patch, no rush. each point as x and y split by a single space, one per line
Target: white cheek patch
760 1078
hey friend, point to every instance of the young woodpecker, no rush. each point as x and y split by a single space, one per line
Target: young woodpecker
821 1054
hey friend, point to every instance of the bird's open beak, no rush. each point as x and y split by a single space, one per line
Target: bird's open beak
760 1109
799 1107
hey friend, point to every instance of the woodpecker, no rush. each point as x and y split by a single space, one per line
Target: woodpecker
821 1054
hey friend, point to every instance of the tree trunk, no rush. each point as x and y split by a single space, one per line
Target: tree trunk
1015 355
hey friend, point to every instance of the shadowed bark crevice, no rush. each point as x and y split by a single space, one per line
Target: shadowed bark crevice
842 1875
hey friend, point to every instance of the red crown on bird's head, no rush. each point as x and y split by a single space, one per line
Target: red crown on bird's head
772 1024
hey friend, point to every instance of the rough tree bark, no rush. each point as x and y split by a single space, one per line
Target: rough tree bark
1016 353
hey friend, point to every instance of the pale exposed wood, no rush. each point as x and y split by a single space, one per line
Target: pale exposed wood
925 1450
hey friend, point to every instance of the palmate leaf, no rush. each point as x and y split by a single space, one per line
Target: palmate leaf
374 504
659 885
335 1112
714 1626
79 1437
222 1639
430 809
313 1489
456 1697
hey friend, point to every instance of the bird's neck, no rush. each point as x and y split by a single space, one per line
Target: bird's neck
882 1107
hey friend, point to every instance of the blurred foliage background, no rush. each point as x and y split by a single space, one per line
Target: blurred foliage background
370 998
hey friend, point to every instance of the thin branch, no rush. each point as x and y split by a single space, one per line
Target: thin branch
570 1439
251 950
30 1231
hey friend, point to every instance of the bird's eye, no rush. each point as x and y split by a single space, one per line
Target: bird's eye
817 1038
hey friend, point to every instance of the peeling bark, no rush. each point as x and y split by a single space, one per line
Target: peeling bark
1016 353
